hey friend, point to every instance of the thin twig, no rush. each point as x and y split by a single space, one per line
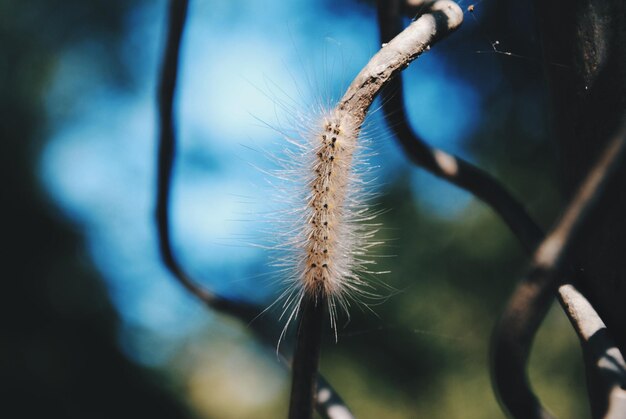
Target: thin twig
451 168
442 18
603 354
167 151
484 187
332 406
530 301
327 400
306 358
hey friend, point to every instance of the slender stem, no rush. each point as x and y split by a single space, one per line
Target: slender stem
327 400
306 357
601 352
441 19
167 152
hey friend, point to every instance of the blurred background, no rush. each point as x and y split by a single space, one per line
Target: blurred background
95 327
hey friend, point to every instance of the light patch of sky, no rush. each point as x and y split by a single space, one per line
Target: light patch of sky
237 63
440 198
444 112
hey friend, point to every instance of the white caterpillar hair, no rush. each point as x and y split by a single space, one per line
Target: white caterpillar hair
322 239
323 251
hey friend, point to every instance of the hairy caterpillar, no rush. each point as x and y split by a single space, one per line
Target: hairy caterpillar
329 229
328 242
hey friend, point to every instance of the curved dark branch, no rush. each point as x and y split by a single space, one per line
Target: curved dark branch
306 357
167 150
531 301
602 354
446 166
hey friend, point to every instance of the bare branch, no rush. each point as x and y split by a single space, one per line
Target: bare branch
306 358
490 191
605 357
442 18
167 150
530 301
332 407
327 400
446 166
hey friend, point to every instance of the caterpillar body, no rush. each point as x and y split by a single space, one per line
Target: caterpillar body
332 228
331 231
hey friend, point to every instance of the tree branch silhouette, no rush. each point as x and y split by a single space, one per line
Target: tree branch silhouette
331 406
489 190
167 152
438 162
530 301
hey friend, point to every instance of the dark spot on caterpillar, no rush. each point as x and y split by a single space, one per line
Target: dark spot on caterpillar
319 154
324 137
325 237
325 205
330 172
327 189
332 145
325 223
325 265
332 158
325 250
314 265
334 140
